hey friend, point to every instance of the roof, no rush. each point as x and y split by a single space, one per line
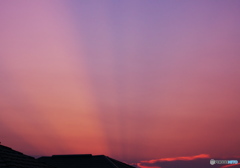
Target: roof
10 158
81 161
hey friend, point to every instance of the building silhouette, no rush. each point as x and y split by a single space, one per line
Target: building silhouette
81 161
10 158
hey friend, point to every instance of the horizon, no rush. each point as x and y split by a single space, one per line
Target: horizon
133 80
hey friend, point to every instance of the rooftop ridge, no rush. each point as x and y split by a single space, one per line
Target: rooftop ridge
5 147
111 162
120 162
8 148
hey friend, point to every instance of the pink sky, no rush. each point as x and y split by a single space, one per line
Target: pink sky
134 80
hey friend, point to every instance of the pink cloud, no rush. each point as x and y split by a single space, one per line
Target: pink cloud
201 156
144 166
151 163
197 161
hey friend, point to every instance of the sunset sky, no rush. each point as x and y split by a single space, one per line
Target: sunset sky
135 80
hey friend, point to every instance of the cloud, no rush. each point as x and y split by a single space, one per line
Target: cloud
178 158
142 166
196 161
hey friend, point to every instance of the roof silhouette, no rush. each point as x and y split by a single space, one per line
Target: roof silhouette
86 160
10 158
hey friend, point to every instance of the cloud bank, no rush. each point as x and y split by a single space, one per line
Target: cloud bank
197 161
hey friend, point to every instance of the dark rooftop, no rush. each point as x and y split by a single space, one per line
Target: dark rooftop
81 161
10 158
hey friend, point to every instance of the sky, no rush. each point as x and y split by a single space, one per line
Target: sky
134 80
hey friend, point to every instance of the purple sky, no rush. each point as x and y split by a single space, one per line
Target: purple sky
135 80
